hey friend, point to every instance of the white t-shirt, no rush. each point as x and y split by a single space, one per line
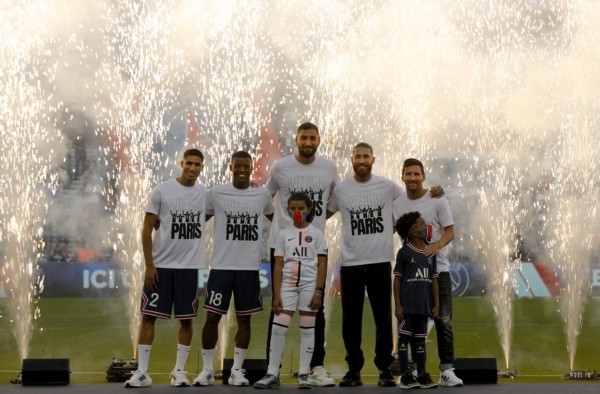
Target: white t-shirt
288 176
239 223
300 249
367 224
437 215
180 241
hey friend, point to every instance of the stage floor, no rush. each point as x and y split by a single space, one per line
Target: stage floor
542 388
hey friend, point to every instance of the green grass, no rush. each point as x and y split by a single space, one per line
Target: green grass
90 332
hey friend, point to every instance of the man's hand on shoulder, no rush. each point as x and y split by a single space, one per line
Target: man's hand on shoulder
437 191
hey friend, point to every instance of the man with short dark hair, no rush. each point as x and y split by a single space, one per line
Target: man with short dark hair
316 176
172 260
238 210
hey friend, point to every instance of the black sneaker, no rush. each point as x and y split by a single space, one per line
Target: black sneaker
408 381
351 379
386 379
425 381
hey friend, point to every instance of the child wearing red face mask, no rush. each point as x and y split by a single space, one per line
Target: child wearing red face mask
298 281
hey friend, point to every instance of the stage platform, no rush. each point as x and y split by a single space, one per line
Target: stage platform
529 388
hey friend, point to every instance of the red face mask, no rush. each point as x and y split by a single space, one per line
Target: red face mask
298 216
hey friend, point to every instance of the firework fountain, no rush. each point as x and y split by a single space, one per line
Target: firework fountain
574 218
138 80
28 175
575 201
499 84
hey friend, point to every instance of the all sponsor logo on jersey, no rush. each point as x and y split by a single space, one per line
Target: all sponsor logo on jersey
421 275
300 251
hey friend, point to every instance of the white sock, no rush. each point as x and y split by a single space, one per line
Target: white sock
207 358
307 344
276 348
182 355
144 357
239 355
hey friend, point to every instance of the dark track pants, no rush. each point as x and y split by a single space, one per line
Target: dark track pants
377 280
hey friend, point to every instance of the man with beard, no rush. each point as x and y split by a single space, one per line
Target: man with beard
365 202
316 176
440 232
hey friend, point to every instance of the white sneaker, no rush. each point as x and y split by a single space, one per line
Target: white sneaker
139 379
320 377
238 378
449 379
178 379
204 378
268 382
303 381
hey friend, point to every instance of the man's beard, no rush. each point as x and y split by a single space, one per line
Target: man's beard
307 152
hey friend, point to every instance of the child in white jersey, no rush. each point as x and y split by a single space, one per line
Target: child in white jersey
298 281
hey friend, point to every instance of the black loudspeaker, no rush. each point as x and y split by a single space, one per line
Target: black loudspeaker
476 370
45 371
256 369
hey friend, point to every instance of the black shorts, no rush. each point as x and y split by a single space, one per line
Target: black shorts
244 285
176 291
413 325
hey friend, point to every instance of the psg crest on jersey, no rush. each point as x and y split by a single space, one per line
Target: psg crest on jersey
308 239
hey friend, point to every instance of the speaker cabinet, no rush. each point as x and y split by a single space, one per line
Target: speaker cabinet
42 371
476 370
256 369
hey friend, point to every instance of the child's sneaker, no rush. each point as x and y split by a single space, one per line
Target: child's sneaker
268 382
449 379
425 381
204 378
238 378
408 381
139 379
386 379
320 377
303 381
178 379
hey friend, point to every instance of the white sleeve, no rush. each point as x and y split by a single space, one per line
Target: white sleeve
321 245
272 185
336 178
269 208
332 205
210 210
154 202
280 244
397 191
443 212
